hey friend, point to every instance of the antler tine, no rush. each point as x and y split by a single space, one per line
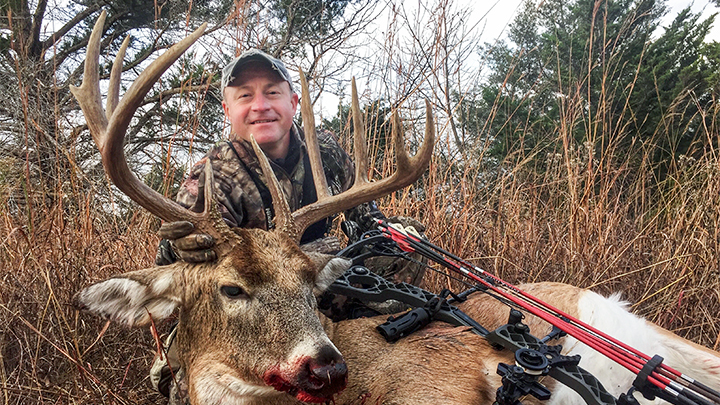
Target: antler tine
360 145
88 94
114 89
405 163
109 132
409 169
283 218
308 118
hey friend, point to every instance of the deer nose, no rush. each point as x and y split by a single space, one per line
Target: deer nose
314 379
331 377
328 372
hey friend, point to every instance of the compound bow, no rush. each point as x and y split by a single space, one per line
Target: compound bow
533 356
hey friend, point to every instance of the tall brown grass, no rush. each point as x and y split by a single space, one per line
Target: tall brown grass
589 217
656 243
49 353
659 247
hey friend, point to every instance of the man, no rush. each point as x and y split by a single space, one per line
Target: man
259 99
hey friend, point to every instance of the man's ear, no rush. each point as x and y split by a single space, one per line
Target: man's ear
329 269
225 107
133 298
294 99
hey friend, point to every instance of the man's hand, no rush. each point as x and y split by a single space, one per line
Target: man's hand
407 222
180 241
396 269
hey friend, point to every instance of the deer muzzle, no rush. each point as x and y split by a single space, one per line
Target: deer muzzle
315 379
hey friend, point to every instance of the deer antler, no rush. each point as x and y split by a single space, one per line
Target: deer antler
408 170
108 130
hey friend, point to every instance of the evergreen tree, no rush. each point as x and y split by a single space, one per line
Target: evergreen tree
673 83
596 68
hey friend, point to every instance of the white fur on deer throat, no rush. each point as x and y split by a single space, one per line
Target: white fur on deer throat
219 385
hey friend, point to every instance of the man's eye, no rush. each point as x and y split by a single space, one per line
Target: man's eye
232 291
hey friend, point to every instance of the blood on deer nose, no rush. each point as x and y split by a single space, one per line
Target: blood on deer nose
314 379
332 376
327 372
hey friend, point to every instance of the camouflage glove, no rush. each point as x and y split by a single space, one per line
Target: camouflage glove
400 270
180 242
328 245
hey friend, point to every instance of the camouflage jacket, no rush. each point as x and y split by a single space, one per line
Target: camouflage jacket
239 183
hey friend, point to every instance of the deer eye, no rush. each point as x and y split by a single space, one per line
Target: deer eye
232 291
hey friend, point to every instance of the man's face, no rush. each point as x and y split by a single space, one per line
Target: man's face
259 103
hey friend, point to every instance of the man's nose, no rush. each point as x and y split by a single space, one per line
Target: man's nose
260 103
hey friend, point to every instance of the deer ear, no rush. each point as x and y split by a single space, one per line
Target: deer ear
133 298
329 269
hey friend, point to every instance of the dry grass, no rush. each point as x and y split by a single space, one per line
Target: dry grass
661 251
586 219
591 220
49 352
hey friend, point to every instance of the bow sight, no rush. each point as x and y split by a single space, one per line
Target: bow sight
533 356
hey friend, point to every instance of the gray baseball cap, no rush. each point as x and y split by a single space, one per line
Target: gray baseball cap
233 69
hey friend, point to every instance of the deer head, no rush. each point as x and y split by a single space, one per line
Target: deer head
248 326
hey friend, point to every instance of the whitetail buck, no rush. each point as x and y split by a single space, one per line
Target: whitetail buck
248 330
